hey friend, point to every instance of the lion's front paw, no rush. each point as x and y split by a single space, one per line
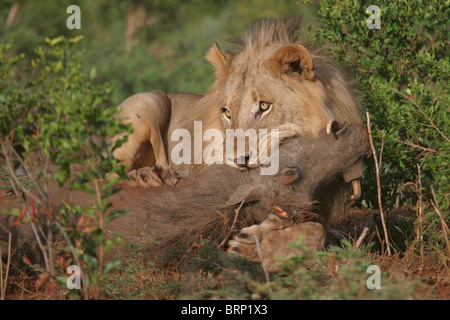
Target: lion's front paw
272 237
153 177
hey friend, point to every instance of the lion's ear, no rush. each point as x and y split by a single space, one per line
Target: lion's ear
292 58
219 59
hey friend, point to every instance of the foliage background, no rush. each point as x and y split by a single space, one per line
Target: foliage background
402 73
141 45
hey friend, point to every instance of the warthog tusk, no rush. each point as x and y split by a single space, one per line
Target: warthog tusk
356 186
332 126
280 212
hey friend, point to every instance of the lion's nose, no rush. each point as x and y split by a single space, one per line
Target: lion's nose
246 160
242 161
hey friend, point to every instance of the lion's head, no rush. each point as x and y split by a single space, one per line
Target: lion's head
274 82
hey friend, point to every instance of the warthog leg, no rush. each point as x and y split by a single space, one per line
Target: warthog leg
273 235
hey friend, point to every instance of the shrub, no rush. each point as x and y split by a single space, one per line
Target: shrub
402 73
55 125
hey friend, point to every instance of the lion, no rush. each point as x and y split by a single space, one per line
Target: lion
268 80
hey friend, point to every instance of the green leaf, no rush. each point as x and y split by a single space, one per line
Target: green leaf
62 176
85 187
91 261
111 265
111 244
93 73
104 205
110 182
13 212
116 214
89 211
54 41
76 39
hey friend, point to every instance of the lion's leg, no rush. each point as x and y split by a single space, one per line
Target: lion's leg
159 173
157 143
150 177
272 237
144 152
137 152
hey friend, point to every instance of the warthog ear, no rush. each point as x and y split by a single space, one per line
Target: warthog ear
292 58
219 59
246 193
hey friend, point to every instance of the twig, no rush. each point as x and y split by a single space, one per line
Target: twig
4 282
43 199
30 175
232 225
415 40
420 235
13 175
433 42
75 256
380 205
102 228
379 239
423 113
419 147
444 225
361 237
33 225
381 150
12 14
263 263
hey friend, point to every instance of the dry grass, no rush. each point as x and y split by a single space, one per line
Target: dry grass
139 277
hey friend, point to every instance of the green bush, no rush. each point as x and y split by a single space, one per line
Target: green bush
56 124
402 73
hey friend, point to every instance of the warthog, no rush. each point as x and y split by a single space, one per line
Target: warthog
208 204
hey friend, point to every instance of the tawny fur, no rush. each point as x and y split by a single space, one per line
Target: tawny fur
272 237
149 115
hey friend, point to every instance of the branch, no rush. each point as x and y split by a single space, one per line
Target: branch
263 263
12 14
232 226
361 237
418 147
444 224
380 205
423 113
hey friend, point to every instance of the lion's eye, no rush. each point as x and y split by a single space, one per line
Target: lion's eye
264 106
226 112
